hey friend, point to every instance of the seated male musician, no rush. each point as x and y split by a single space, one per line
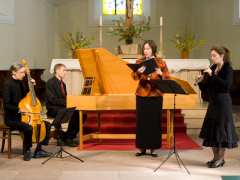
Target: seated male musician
14 91
56 107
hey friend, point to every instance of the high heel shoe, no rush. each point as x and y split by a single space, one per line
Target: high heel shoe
217 163
142 153
210 162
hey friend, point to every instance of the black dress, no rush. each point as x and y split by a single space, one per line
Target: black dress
149 119
218 128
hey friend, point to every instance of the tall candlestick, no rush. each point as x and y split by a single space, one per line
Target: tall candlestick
100 20
100 31
161 37
161 21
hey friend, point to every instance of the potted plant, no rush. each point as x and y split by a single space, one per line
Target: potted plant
186 43
75 41
130 32
127 34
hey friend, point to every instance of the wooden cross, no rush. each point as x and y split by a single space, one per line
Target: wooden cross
129 13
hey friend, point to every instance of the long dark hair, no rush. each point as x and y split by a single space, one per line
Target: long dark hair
153 46
221 50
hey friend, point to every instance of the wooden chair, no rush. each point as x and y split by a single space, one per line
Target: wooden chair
6 133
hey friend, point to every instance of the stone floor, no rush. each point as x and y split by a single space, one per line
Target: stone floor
115 165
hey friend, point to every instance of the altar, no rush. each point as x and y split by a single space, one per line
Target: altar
188 69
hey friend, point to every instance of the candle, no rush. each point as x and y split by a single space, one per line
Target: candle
161 37
100 31
161 21
100 21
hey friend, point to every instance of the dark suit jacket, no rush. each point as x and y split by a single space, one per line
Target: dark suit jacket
55 100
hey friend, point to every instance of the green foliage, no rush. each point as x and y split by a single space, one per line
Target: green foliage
135 30
73 42
187 41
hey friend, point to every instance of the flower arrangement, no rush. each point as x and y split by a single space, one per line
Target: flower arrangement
73 42
187 42
135 30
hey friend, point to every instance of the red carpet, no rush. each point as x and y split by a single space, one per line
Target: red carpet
183 142
124 122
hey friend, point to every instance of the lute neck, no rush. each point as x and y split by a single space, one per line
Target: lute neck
32 90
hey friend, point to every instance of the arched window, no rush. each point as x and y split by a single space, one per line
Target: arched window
118 7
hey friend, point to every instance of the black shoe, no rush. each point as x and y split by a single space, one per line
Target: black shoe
70 143
27 155
41 154
140 154
152 153
210 162
217 163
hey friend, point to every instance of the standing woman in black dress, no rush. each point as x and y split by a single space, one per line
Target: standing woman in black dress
149 102
218 130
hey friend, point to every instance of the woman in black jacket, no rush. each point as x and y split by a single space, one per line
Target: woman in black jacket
218 130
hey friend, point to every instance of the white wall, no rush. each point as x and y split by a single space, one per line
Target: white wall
30 37
213 20
176 15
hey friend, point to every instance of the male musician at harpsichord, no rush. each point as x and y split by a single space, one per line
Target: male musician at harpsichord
56 94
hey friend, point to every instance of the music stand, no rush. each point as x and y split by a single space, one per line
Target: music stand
172 87
64 116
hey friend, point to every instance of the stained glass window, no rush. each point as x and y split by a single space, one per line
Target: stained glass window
118 7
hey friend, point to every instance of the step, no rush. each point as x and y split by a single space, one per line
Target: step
194 117
126 114
116 128
125 122
116 120
194 112
129 130
107 125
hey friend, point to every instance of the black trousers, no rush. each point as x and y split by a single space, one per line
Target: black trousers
73 126
26 129
63 115
149 122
